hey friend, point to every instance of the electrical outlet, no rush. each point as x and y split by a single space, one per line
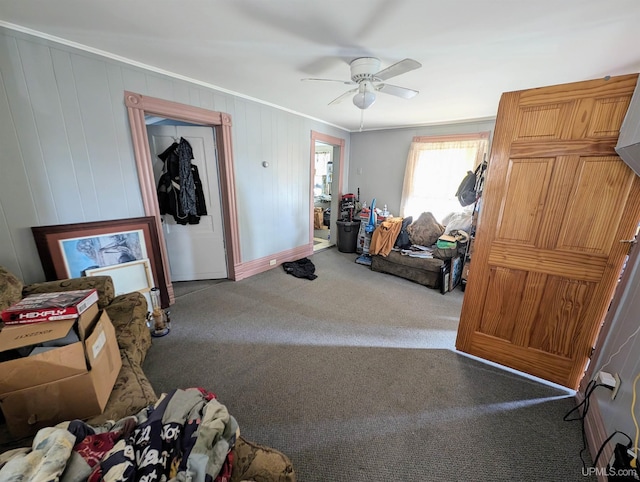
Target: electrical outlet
614 392
272 262
611 381
606 379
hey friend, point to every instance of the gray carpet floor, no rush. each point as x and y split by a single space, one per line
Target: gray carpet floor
354 376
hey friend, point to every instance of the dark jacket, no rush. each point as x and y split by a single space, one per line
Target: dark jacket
179 187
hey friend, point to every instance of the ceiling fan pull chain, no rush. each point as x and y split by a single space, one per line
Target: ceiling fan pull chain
361 119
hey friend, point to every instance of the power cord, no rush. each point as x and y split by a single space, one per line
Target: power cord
620 348
634 461
595 462
591 386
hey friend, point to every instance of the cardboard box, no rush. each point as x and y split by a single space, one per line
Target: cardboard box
17 336
66 383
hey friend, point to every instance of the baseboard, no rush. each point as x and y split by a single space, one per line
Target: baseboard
250 268
596 433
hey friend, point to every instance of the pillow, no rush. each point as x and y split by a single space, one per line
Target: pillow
458 221
425 230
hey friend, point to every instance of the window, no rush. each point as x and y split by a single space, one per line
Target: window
435 168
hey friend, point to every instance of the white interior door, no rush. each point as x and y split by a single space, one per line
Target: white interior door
196 251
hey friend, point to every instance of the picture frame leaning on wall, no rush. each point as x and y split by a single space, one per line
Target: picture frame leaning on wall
68 250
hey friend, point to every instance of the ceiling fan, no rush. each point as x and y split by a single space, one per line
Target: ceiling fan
366 74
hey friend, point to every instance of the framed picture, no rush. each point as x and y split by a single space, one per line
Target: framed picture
70 250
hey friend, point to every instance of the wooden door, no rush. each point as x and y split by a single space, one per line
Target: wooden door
548 251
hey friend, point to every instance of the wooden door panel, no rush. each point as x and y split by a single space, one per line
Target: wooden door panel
547 255
527 182
598 198
542 122
561 314
608 112
550 317
500 314
581 266
545 365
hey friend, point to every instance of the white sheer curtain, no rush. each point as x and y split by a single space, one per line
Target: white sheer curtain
435 168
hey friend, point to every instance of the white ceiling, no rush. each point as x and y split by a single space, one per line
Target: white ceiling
471 50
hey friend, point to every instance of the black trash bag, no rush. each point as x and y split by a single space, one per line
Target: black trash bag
302 268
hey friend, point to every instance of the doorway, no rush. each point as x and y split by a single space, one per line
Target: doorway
327 166
322 189
137 107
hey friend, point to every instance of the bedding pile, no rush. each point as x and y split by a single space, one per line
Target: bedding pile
187 435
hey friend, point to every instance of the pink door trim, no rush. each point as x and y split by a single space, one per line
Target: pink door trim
139 105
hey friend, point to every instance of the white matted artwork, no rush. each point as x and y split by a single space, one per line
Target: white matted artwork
128 277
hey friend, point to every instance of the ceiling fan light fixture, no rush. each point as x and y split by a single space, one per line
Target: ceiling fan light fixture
364 100
366 95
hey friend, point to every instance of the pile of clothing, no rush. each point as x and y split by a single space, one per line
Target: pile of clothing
185 435
423 238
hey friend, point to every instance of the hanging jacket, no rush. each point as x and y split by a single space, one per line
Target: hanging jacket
180 192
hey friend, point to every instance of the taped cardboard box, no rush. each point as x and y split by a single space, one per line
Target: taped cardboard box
77 396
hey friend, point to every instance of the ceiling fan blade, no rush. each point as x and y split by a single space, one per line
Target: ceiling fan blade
346 82
397 91
402 67
339 99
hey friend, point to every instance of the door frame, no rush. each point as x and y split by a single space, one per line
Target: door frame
338 144
138 106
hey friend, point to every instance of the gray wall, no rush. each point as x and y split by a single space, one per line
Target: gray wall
67 154
622 353
378 159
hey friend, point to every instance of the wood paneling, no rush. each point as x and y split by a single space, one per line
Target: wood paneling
68 154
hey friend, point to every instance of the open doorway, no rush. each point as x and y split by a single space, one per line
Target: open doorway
327 166
322 190
137 107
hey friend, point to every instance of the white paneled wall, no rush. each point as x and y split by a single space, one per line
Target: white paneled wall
66 153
